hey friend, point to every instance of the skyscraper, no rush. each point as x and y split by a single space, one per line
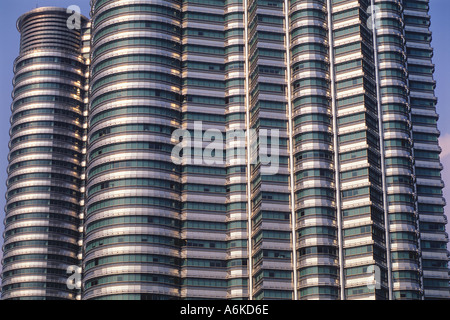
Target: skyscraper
43 208
335 191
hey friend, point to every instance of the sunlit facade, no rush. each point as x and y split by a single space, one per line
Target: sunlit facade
42 235
354 210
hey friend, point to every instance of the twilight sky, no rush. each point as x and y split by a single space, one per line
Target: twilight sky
10 11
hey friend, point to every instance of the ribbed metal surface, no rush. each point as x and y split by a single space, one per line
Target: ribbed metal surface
44 172
47 28
204 208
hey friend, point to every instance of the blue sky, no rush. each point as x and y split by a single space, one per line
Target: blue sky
10 11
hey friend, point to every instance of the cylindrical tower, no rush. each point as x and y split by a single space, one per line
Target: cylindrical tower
132 227
45 159
317 263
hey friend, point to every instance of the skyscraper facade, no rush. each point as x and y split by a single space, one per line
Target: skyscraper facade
334 192
44 187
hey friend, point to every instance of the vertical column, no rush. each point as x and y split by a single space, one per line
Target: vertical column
291 163
337 175
237 217
316 225
269 192
393 90
360 171
86 52
248 156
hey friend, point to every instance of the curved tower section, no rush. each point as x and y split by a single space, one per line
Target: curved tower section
316 226
427 165
45 160
398 151
132 226
270 210
236 184
204 206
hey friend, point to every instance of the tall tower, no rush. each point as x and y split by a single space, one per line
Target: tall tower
44 199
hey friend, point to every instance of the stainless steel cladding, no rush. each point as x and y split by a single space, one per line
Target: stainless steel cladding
336 95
